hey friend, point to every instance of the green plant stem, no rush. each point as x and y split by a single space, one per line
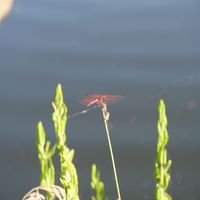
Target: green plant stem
45 155
106 118
162 164
68 174
97 184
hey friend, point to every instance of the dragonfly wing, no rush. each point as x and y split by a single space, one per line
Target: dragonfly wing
112 98
89 100
99 98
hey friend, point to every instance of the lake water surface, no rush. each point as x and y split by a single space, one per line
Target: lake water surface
145 50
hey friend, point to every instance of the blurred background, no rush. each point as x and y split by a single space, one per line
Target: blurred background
145 50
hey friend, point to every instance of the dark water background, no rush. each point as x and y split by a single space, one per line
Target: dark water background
146 50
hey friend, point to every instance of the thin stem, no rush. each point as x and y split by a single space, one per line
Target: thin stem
106 118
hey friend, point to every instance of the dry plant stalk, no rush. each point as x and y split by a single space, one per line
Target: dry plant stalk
40 193
106 116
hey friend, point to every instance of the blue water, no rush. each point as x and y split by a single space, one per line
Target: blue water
145 50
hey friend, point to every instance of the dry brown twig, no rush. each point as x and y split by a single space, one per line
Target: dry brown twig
39 193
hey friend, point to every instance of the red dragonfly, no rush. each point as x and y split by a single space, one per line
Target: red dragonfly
98 99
